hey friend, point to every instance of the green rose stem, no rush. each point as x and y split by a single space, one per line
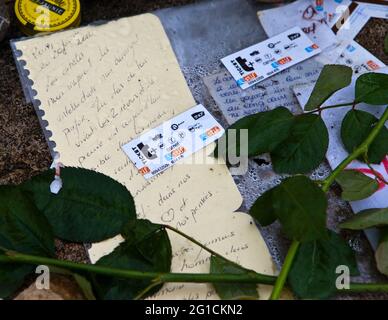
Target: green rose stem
155 277
348 104
158 281
281 280
213 253
366 287
249 277
359 151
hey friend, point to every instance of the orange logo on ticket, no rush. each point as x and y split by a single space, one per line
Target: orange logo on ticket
144 170
250 76
284 60
213 131
177 152
371 64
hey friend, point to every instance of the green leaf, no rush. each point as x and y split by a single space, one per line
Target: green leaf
304 148
381 254
356 185
148 252
12 278
139 229
372 88
85 286
265 131
22 227
262 210
331 79
356 126
82 280
300 206
231 291
313 272
365 219
90 207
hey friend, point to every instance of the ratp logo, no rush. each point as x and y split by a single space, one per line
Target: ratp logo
250 76
175 153
280 62
209 133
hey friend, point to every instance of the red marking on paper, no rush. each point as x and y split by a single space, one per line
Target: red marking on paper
380 177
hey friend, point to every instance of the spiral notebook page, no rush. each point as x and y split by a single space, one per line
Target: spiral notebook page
100 87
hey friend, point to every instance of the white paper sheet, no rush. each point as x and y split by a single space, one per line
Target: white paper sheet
301 13
260 61
359 59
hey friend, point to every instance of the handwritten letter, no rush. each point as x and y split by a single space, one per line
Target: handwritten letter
276 91
101 86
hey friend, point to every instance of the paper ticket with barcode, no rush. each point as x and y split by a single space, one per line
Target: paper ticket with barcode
175 139
260 61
